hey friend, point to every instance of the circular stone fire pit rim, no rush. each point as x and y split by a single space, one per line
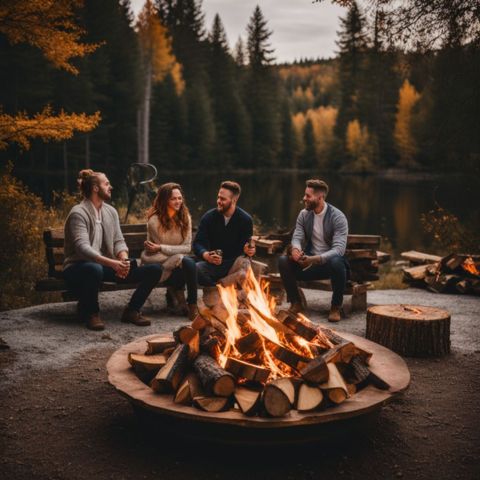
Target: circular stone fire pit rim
387 364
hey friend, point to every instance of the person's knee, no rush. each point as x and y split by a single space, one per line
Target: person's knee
153 271
92 272
188 263
337 263
283 262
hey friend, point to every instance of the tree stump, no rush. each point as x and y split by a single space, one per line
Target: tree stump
410 330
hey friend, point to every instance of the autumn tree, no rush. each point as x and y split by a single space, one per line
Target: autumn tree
360 147
51 27
404 138
158 62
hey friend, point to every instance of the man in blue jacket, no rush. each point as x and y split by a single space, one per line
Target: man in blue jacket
223 235
318 248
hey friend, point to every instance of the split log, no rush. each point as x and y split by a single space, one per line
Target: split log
184 334
336 339
417 273
341 353
361 253
209 344
335 388
247 370
211 296
383 257
171 374
287 356
410 330
214 379
248 400
210 318
295 323
159 344
146 366
420 257
248 343
189 389
309 398
212 404
278 397
316 371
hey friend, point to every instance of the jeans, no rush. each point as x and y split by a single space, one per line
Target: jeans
335 269
209 274
85 278
186 274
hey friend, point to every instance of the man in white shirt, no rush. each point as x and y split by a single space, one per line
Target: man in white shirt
318 248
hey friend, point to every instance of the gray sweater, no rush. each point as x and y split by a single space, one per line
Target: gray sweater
80 230
335 232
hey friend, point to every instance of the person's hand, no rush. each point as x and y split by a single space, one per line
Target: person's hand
121 267
151 247
212 257
306 261
297 254
249 248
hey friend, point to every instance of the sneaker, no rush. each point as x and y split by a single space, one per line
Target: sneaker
94 322
132 316
335 313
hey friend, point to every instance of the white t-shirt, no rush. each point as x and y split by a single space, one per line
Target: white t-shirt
319 245
98 234
227 219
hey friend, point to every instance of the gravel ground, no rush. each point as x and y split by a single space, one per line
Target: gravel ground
60 419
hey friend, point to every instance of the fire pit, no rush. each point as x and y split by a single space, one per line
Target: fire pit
244 371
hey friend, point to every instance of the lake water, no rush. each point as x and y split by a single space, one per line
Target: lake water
387 206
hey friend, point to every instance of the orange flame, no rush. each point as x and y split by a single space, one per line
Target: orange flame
469 266
260 319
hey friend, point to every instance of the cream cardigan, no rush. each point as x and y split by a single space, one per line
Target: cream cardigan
172 246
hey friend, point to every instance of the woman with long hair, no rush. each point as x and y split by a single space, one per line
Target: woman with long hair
169 240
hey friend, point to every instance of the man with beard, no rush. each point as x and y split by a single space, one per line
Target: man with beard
318 248
95 251
223 235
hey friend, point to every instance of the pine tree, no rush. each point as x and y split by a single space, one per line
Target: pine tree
353 45
261 93
239 53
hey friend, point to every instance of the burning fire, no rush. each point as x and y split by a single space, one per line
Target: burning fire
255 316
469 266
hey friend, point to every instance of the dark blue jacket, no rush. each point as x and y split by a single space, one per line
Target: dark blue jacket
213 234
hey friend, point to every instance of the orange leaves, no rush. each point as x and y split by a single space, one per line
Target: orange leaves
156 47
20 128
49 25
404 139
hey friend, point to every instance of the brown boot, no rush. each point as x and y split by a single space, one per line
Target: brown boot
296 307
94 322
181 307
192 311
132 316
335 313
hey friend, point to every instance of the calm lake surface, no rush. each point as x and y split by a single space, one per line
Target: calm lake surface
390 206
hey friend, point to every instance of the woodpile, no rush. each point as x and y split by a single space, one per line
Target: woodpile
455 273
245 354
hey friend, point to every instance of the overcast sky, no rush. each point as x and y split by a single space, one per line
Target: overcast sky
300 28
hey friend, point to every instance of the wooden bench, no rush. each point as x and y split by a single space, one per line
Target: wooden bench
134 234
364 258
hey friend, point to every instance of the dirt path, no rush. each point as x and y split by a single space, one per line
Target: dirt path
61 419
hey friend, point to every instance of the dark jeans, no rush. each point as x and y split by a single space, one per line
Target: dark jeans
85 278
186 274
209 274
335 270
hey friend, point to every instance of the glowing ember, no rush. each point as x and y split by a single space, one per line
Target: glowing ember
469 266
259 310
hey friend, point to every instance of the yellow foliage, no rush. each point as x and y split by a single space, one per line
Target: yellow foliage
48 25
360 146
156 47
404 139
20 128
323 121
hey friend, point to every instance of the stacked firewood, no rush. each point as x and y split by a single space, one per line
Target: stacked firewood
455 273
257 375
